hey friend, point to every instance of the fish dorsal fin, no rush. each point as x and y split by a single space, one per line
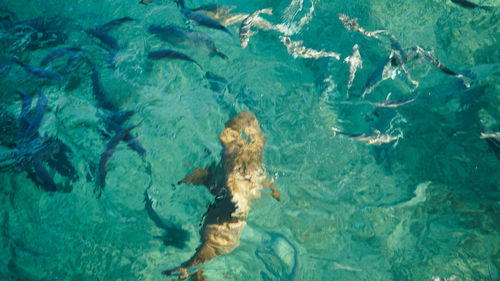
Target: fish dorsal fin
388 96
199 176
376 131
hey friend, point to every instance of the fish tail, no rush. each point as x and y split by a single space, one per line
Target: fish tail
267 11
220 54
336 131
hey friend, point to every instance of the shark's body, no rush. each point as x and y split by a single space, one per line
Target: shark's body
236 182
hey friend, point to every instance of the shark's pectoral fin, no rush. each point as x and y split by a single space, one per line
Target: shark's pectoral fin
275 192
199 176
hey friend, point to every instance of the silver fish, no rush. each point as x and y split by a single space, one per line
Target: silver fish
395 103
399 58
355 62
222 14
432 59
353 25
245 33
438 278
296 49
383 72
388 69
371 139
487 134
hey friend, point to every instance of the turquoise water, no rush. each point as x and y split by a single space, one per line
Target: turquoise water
424 205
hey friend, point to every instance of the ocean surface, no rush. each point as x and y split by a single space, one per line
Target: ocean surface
421 205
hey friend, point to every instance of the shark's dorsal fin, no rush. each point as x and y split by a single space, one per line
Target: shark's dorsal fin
199 176
388 96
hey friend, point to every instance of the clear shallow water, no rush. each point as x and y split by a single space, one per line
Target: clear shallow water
426 205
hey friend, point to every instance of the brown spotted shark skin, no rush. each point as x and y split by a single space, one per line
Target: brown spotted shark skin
236 182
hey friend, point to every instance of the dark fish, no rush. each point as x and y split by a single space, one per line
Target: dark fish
73 59
204 20
384 71
179 36
59 159
110 149
214 8
216 82
25 110
180 3
398 57
41 73
98 92
120 117
174 236
470 5
171 54
108 26
131 141
43 176
5 22
432 59
111 44
45 32
57 53
36 121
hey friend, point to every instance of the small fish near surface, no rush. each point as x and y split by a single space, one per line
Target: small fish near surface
36 120
204 20
395 103
180 36
110 149
39 72
432 59
389 67
171 54
246 24
355 62
399 58
112 24
25 110
493 140
109 42
31 150
57 53
180 3
296 49
470 5
384 71
353 25
98 92
371 139
114 124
